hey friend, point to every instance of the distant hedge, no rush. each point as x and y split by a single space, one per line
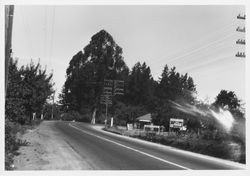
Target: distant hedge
220 149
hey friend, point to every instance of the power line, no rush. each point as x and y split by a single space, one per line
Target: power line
209 45
200 48
210 62
226 27
210 55
239 54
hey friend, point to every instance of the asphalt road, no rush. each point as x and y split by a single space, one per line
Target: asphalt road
105 151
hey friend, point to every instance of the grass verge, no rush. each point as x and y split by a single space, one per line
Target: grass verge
222 149
13 131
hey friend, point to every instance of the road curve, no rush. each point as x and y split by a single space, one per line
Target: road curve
105 151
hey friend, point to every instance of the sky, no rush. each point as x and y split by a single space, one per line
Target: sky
198 40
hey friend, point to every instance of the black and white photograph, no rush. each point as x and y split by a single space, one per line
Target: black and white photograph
124 87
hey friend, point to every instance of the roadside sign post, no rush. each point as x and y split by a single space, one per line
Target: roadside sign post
106 97
110 89
118 87
106 100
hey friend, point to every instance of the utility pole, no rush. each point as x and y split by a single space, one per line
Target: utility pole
241 41
106 100
9 14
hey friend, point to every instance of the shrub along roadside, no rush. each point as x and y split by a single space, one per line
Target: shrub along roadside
224 149
221 149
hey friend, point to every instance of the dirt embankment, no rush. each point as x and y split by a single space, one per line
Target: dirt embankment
47 150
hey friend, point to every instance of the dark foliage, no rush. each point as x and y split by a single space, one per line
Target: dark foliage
28 89
101 59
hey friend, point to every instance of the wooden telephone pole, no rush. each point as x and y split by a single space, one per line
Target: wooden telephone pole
9 14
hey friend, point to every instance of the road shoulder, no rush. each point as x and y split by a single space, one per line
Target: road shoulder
47 150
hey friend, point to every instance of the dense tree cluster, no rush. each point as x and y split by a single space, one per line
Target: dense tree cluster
102 59
29 87
173 87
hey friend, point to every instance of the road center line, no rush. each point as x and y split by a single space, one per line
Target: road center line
130 148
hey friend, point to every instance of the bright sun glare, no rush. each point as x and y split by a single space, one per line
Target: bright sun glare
225 118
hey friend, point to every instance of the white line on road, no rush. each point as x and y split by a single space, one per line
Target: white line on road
130 148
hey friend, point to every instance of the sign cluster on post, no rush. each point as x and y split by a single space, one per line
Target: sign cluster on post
110 89
106 97
118 87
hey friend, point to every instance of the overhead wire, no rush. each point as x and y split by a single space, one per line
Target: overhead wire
207 46
202 47
209 55
207 62
194 45
226 29
215 47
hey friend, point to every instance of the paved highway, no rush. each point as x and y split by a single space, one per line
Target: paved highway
108 151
